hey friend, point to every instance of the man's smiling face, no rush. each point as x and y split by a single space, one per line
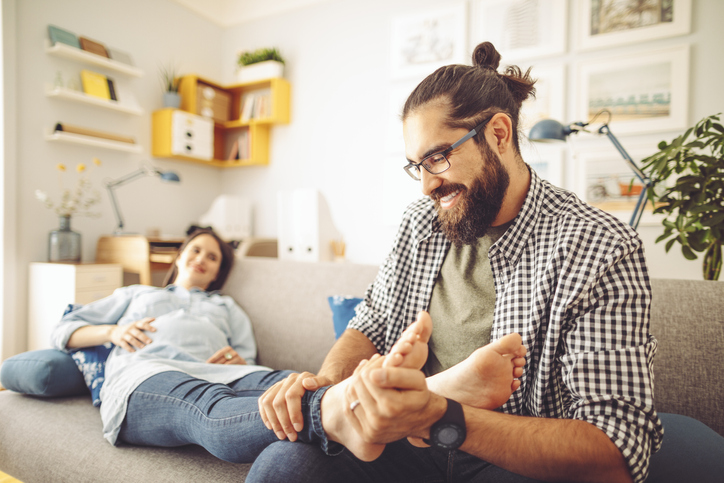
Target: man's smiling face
469 195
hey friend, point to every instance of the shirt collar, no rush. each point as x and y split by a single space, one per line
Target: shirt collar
173 287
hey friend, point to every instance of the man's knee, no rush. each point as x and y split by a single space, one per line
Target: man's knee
285 461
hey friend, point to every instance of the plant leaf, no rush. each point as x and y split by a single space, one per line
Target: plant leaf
688 254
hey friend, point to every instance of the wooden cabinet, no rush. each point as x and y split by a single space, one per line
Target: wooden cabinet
52 286
243 115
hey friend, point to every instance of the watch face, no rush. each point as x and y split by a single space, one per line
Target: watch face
448 436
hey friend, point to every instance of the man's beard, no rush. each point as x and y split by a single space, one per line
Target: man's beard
478 206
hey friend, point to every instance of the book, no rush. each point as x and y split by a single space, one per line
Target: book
234 154
93 133
58 34
244 143
112 90
93 47
95 84
247 110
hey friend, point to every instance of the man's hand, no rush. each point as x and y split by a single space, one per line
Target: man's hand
394 403
133 336
280 406
227 355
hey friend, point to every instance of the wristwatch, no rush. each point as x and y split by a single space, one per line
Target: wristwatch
449 432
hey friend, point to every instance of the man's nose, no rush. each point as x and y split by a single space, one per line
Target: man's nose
428 182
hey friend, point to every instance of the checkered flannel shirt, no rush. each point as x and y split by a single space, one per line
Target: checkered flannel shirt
570 279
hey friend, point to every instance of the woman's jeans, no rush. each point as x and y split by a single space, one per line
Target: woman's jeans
175 409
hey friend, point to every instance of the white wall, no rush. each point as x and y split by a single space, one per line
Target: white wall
338 65
153 32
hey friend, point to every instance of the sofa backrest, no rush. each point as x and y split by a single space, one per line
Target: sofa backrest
287 303
687 319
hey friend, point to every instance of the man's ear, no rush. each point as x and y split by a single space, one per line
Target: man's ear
502 128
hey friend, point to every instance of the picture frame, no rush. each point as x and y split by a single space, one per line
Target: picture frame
422 42
520 29
547 159
609 23
605 180
646 91
550 97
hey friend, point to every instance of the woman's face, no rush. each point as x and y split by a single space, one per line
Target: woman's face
198 265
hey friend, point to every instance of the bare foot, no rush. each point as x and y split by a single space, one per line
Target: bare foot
486 379
339 430
410 351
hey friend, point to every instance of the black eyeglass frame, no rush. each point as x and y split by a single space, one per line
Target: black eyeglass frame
413 169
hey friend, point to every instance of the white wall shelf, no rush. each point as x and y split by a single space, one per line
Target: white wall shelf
78 55
76 96
70 138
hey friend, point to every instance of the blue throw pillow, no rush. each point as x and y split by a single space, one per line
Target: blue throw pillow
342 311
92 363
45 373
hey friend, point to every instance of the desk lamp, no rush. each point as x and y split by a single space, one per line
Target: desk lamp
549 130
144 170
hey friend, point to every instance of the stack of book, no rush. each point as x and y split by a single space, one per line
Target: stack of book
241 149
256 106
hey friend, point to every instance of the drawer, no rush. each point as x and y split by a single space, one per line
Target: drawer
87 296
110 277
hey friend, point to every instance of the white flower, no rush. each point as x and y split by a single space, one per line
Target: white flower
41 195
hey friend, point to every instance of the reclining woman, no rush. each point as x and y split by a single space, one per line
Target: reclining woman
183 367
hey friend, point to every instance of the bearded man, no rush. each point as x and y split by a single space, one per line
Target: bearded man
492 250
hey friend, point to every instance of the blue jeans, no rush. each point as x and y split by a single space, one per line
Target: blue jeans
691 451
175 409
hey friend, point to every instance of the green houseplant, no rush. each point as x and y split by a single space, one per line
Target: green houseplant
693 201
263 63
170 80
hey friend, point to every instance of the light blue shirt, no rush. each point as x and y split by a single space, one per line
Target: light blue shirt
190 327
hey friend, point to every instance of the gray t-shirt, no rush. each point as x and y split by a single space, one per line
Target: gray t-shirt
463 303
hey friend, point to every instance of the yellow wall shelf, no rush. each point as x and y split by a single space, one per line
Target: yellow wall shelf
226 106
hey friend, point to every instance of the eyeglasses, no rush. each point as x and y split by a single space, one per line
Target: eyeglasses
438 163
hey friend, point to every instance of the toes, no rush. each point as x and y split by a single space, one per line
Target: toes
509 344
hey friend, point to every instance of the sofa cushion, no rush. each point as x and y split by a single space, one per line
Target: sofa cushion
92 363
342 312
46 373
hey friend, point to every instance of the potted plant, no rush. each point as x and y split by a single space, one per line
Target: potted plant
264 63
693 201
170 80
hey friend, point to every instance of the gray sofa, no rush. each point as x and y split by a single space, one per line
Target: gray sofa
59 440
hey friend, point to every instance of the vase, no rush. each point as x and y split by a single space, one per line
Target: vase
260 71
171 99
64 243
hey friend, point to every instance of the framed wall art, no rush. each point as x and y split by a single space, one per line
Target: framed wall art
422 42
607 23
549 101
645 92
547 159
605 181
520 29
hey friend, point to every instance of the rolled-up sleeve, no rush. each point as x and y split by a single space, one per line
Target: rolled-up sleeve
108 310
607 366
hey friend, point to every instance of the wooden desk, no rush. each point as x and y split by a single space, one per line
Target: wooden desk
138 254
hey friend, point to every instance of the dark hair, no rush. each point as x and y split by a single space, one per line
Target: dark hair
227 260
475 92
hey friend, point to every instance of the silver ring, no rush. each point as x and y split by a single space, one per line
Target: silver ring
228 356
354 405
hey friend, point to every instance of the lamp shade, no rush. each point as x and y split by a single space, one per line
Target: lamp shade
549 130
169 176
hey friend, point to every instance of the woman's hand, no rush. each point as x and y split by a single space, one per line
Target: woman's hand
132 336
227 355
